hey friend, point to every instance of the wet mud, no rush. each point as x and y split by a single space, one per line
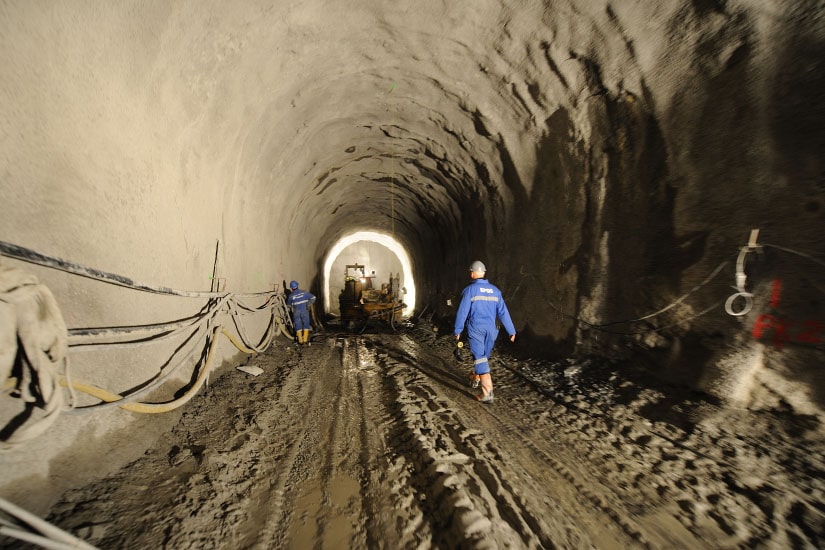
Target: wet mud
377 441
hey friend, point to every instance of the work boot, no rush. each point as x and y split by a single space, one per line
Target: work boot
486 399
475 380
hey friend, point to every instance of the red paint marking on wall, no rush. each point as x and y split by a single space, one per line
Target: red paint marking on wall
786 330
811 333
776 292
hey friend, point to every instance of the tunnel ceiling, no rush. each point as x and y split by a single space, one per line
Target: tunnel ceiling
522 133
420 121
424 120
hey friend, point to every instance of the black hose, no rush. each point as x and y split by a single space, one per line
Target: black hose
28 255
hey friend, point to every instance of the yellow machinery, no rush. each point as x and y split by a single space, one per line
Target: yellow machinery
360 302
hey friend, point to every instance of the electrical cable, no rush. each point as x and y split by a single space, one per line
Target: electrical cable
796 252
318 324
672 305
150 385
127 402
236 343
601 327
49 535
39 540
89 338
97 332
284 330
28 255
72 394
261 307
205 318
689 318
173 329
155 408
267 337
741 276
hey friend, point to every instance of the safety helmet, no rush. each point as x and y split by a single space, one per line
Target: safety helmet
293 285
478 266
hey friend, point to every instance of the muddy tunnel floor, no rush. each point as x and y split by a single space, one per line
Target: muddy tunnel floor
377 441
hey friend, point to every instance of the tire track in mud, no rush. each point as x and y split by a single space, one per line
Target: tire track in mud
376 441
477 498
261 472
335 483
582 484
326 481
690 481
255 477
387 512
277 500
593 512
205 484
371 442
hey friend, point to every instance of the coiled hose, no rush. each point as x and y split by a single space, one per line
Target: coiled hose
218 306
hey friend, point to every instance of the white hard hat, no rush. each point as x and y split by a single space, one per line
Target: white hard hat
478 266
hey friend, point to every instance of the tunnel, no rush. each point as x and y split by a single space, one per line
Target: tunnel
643 181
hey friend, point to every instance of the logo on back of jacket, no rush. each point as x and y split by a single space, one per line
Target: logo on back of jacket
487 290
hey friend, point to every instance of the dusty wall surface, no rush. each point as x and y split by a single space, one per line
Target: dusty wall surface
602 158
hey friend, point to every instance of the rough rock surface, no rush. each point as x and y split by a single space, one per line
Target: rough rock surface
376 441
606 159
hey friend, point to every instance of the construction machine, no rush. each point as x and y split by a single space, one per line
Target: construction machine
361 302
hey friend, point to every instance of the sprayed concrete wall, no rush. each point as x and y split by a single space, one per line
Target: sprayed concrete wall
602 158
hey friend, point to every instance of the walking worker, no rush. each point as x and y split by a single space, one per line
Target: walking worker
481 303
300 301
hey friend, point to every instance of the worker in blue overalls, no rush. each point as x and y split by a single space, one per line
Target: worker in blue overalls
481 303
300 301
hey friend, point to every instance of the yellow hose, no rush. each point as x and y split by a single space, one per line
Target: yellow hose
237 344
284 331
155 408
267 337
151 408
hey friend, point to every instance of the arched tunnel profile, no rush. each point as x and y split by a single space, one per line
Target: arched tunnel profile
644 182
380 249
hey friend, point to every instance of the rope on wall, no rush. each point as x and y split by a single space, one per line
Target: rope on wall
199 331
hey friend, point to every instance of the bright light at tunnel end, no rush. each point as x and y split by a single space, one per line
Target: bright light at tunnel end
382 239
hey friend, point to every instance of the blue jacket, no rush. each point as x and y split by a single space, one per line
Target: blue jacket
481 303
300 299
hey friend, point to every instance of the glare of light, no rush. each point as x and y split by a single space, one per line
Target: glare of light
382 239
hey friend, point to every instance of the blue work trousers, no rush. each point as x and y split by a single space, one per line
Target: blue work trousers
301 318
481 345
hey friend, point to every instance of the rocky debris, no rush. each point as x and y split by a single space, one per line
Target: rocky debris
377 441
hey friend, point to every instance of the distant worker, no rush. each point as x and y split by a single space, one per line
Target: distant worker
481 303
300 302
